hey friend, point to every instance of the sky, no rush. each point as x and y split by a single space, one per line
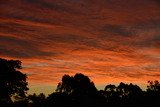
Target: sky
110 41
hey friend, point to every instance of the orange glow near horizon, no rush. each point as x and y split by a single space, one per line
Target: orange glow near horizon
111 41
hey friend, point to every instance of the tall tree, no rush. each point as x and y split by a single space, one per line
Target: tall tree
12 81
78 83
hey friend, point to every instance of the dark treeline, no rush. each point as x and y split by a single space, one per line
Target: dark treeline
72 91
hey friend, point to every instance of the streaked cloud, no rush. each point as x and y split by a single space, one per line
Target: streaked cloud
108 40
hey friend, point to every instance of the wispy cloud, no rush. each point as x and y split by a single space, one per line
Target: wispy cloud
108 40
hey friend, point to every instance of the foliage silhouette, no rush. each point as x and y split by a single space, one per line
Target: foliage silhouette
153 93
72 91
77 90
153 86
36 100
79 84
12 81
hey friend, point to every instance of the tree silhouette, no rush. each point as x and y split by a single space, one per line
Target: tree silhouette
12 81
36 100
67 85
110 87
128 89
111 95
123 95
77 90
72 91
153 86
153 93
78 83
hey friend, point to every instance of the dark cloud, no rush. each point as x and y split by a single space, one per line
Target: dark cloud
44 11
16 28
78 42
147 24
15 47
147 34
49 5
117 30
148 42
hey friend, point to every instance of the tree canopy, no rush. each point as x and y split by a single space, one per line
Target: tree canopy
78 83
12 81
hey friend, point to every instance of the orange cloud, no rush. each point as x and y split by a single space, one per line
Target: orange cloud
110 41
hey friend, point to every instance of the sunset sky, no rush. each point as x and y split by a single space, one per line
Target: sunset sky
108 40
